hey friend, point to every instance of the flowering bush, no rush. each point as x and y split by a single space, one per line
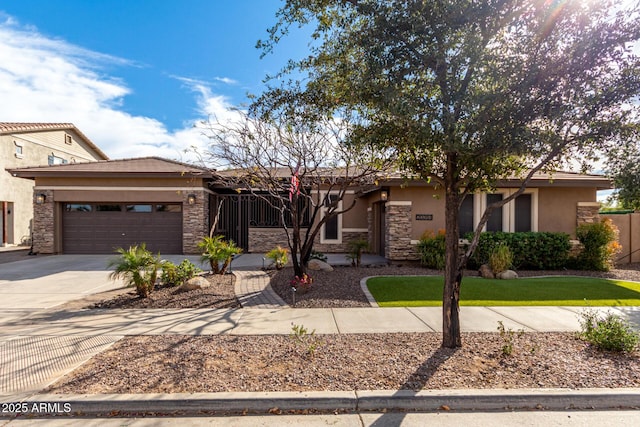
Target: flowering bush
302 283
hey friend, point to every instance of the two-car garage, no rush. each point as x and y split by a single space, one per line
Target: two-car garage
97 207
98 228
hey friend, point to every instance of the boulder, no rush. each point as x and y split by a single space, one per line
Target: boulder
194 283
316 264
507 274
485 272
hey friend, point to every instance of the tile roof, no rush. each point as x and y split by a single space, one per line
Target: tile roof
147 166
17 127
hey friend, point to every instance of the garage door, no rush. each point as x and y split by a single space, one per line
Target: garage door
90 228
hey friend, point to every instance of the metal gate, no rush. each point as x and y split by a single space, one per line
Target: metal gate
233 223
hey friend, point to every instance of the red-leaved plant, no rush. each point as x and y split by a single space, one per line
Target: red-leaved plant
302 283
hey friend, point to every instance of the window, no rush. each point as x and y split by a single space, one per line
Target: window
19 150
55 160
139 208
108 208
465 215
72 207
67 139
168 208
495 220
518 215
523 212
331 230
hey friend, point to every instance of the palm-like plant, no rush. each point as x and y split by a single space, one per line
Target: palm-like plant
138 267
216 250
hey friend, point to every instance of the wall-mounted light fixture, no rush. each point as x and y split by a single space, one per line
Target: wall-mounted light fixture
40 198
191 199
384 195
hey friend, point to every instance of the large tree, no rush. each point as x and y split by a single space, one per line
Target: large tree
469 92
624 167
303 166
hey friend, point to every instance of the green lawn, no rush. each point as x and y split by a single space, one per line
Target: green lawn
420 291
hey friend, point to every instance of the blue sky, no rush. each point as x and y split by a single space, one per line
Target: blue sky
135 75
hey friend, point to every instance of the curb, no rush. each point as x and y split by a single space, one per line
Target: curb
193 404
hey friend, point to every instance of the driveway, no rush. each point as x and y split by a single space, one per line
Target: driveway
43 282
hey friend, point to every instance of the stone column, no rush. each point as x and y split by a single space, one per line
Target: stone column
44 223
195 220
587 213
398 231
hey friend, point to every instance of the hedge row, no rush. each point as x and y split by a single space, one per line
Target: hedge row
531 250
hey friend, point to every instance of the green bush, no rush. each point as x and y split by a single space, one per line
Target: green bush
138 267
530 250
175 275
216 250
431 248
500 258
355 249
600 245
278 257
610 333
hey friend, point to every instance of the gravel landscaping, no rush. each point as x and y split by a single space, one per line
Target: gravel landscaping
167 364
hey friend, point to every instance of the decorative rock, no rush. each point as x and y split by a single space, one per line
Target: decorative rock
316 264
507 274
485 272
194 283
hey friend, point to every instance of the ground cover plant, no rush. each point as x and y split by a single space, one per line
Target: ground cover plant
416 291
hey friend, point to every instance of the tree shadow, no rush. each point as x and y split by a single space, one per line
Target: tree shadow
415 383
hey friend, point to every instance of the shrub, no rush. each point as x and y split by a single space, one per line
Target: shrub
500 258
301 336
509 338
530 250
174 275
302 283
138 267
278 257
216 250
355 249
432 248
600 245
611 332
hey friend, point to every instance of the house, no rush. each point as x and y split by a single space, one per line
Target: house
27 144
95 207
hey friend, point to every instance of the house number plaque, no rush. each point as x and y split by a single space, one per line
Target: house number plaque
424 217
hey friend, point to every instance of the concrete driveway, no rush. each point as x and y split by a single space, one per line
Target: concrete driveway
43 282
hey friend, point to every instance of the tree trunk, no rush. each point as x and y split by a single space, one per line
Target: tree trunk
452 273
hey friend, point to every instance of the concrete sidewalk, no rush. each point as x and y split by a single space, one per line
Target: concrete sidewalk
39 344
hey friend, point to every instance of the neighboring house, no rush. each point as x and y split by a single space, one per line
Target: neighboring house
95 207
28 144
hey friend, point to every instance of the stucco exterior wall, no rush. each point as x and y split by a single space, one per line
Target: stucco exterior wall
558 208
36 147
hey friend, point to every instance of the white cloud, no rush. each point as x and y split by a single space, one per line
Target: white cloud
50 80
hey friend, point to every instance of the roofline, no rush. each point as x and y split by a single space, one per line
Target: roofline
33 172
39 127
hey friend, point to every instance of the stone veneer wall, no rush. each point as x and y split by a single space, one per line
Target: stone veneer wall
44 223
265 239
588 212
398 232
347 236
262 240
195 221
370 229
